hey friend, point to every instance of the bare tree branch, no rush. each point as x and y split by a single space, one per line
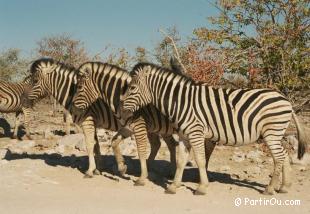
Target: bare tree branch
301 106
177 55
96 56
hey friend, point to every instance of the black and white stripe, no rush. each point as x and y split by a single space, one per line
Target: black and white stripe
231 117
14 98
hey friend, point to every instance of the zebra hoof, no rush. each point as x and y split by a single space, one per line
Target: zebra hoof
171 189
139 182
97 172
122 170
283 189
167 191
199 193
201 190
88 175
269 191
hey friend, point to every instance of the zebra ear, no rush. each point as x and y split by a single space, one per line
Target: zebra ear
128 80
176 66
147 70
85 72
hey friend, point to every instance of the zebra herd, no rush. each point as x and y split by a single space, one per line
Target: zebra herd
152 101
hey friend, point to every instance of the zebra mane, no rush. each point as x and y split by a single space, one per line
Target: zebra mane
175 71
27 79
80 72
46 61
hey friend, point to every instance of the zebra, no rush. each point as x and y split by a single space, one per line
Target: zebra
14 98
230 116
98 80
59 80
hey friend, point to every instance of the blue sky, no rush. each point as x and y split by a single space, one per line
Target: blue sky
119 23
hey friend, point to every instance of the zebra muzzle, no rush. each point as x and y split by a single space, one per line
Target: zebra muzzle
126 114
77 110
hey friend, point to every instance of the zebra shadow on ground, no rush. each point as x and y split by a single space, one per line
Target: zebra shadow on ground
159 170
21 132
5 130
6 127
191 174
62 133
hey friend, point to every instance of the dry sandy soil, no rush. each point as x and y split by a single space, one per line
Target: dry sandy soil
45 175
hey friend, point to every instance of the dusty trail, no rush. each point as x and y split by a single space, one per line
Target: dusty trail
45 176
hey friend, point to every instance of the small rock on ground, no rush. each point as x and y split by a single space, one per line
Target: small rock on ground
252 171
60 149
26 144
238 156
224 168
71 140
3 153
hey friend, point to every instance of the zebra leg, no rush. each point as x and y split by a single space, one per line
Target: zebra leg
89 132
286 178
116 140
98 157
155 145
198 145
78 128
171 144
279 154
17 122
26 112
209 147
67 121
180 163
140 133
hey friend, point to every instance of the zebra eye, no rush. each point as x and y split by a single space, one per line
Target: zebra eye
80 86
133 87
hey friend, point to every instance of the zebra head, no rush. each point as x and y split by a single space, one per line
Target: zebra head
86 92
138 94
40 71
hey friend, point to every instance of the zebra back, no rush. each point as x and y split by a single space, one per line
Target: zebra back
225 115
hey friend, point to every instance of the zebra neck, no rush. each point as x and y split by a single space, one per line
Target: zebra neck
111 88
172 98
63 88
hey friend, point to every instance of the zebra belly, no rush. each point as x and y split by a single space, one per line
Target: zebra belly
106 125
231 140
99 120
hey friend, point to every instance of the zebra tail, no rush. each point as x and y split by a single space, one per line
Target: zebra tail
303 137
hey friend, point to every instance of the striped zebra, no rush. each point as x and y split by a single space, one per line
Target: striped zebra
231 117
13 98
60 81
98 80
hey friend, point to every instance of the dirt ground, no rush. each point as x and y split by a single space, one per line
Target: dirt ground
45 175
